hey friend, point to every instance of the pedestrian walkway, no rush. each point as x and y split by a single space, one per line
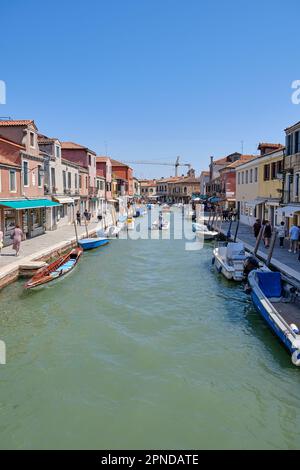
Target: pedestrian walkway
282 260
38 245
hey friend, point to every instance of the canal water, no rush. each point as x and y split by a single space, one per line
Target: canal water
143 346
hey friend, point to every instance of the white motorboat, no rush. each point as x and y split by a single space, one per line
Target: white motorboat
110 232
130 223
202 231
164 226
229 260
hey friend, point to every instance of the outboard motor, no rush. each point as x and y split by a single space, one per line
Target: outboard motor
250 264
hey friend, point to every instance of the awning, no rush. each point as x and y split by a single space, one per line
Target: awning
28 204
112 200
255 202
64 200
287 211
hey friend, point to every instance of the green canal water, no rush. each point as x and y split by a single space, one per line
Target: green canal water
143 346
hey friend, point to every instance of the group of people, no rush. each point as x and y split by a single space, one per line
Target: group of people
87 216
282 232
229 214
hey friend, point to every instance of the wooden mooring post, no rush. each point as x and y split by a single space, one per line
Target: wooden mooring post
271 248
258 239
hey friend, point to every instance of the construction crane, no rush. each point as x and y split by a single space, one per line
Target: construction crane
176 165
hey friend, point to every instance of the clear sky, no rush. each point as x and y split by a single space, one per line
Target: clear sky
153 79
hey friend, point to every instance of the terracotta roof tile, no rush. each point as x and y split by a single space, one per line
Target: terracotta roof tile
74 146
11 122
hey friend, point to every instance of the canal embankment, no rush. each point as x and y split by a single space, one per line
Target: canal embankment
37 250
283 261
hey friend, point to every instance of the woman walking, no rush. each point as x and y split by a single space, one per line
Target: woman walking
267 233
17 235
281 233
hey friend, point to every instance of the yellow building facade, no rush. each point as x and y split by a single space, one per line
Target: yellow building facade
259 188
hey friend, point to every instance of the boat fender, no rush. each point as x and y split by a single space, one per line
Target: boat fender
213 260
296 358
219 269
295 328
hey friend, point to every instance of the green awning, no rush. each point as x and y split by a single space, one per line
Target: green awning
28 204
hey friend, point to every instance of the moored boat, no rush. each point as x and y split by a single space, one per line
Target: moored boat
277 301
202 231
90 243
164 225
229 260
56 270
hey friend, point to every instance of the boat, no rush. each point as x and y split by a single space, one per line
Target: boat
90 243
110 232
165 208
229 260
276 298
56 270
164 226
202 231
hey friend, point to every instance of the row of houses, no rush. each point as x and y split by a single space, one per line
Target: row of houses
44 181
175 189
264 186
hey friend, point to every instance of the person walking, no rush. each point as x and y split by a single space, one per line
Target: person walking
86 215
256 228
17 235
78 217
281 233
267 233
294 237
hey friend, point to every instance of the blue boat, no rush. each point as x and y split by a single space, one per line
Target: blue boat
90 243
277 301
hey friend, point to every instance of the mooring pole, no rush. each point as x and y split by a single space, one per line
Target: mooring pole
271 248
258 239
228 236
86 229
236 230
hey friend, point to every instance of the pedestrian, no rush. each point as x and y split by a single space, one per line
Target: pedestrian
294 237
256 228
267 233
281 233
16 236
1 241
78 217
86 215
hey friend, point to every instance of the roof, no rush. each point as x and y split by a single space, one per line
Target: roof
102 159
243 159
99 174
43 139
21 122
117 163
205 173
148 182
292 126
74 146
263 145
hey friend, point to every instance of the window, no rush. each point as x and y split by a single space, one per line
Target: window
251 175
64 179
12 181
31 139
80 182
273 170
297 185
86 182
266 172
53 182
40 180
242 177
57 151
25 174
90 160
296 142
255 174
239 178
246 176
279 166
69 180
76 182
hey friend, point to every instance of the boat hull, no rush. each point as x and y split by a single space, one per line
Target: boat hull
91 243
229 272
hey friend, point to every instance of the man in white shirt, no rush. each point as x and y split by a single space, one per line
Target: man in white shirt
294 238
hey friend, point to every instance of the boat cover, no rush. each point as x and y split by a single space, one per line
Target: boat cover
270 284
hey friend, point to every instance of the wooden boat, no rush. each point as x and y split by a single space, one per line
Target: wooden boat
56 270
277 300
90 243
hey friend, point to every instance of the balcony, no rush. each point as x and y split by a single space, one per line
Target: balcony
67 191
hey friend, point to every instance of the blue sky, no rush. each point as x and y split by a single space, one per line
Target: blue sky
153 79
